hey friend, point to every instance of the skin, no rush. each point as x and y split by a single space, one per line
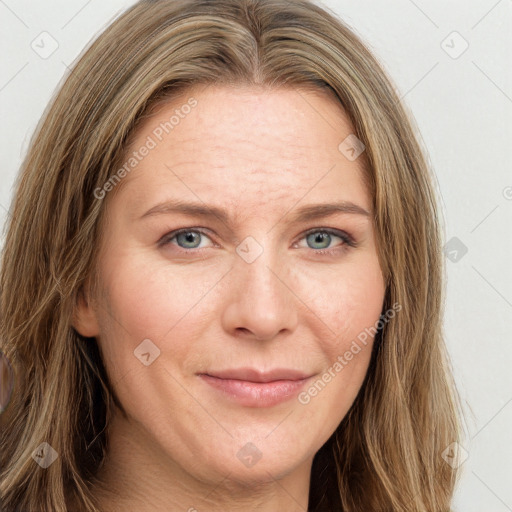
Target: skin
261 155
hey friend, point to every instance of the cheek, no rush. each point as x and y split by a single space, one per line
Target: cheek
345 298
348 300
352 307
156 302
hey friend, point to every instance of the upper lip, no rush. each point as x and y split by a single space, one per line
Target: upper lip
253 375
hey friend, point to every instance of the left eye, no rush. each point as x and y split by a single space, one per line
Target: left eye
319 239
325 236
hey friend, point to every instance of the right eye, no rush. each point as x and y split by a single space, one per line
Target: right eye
187 238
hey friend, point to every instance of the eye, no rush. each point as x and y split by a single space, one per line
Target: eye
320 239
185 238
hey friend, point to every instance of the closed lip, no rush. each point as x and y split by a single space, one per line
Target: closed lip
250 387
254 375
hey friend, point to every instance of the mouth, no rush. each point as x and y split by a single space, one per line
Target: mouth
252 388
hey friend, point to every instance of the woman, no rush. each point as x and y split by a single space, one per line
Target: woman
179 340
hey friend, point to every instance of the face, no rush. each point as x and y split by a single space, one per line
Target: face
231 286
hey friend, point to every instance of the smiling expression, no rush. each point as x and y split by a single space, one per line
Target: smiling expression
238 262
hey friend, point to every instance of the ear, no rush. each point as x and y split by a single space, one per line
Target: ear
85 320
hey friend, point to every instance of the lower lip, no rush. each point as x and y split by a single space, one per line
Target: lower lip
256 394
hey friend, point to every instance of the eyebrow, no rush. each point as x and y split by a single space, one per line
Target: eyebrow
303 214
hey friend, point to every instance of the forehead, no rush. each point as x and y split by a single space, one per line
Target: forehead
235 141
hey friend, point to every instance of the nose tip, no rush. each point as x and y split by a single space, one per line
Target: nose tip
260 304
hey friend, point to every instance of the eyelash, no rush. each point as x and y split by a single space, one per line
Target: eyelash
348 241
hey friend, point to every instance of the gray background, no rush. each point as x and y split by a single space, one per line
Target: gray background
461 100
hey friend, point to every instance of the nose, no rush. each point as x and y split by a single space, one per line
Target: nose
260 303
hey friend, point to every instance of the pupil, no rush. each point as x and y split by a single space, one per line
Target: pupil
188 237
322 238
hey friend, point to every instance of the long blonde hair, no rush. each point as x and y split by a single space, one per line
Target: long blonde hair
386 455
